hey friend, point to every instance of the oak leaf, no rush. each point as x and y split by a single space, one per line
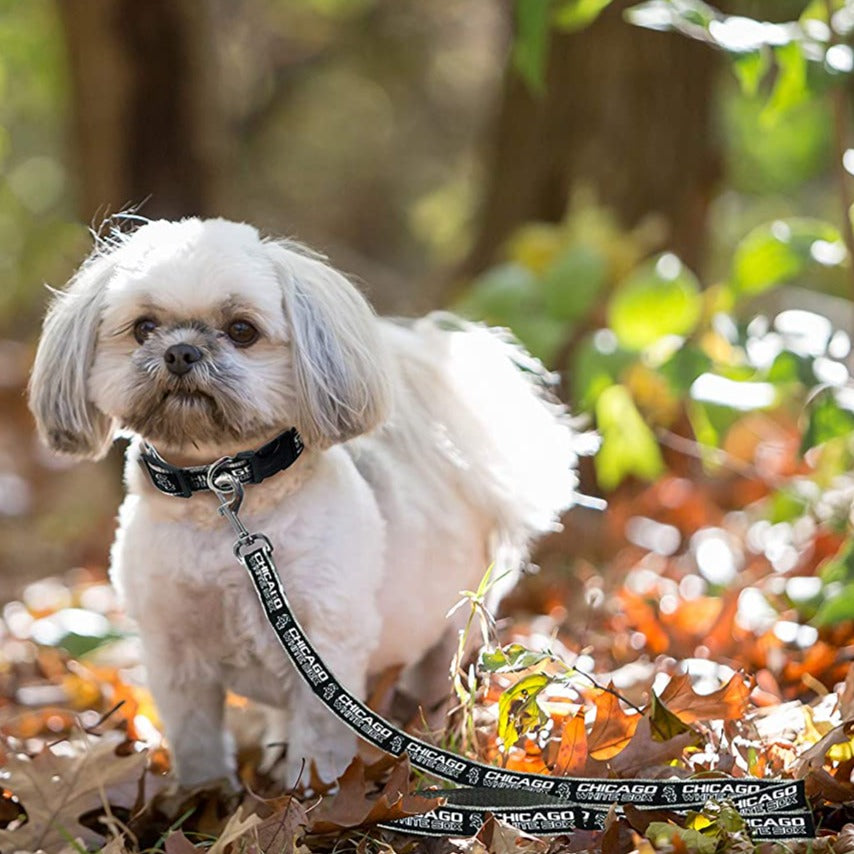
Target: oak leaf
56 789
612 729
351 806
572 753
644 752
727 703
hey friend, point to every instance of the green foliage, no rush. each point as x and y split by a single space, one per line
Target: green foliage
778 252
658 299
628 447
36 235
518 710
794 58
534 22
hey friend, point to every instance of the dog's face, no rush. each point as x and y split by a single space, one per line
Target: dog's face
199 333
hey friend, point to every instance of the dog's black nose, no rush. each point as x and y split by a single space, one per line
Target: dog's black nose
179 358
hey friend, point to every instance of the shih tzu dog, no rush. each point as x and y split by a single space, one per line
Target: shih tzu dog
430 451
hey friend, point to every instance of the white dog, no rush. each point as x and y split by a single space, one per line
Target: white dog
430 452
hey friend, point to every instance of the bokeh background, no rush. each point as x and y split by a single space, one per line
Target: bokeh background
626 197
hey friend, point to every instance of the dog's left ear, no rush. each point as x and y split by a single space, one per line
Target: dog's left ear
341 368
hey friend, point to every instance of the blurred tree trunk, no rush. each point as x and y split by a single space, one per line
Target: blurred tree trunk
627 112
146 120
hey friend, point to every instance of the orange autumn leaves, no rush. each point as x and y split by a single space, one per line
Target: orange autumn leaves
584 730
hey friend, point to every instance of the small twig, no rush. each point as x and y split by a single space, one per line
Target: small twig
700 451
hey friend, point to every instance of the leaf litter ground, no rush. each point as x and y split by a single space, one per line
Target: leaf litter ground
670 643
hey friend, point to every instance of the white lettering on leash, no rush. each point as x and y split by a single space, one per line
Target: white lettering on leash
267 582
503 780
305 658
425 756
623 792
363 721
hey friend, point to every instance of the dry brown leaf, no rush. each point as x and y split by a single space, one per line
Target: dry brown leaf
572 753
237 826
612 729
720 637
727 703
819 783
643 752
501 838
351 806
846 700
57 789
814 757
280 831
177 843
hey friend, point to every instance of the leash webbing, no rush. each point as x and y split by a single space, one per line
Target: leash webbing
539 804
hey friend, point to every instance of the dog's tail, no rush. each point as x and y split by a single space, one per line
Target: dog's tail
512 443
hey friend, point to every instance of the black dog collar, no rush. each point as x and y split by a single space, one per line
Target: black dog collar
247 466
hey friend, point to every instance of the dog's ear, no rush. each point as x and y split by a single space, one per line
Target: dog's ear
66 418
340 366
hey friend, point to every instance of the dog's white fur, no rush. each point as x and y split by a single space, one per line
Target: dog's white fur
430 452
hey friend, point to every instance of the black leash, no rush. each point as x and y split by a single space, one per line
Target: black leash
536 803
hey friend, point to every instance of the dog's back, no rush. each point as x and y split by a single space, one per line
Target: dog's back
475 461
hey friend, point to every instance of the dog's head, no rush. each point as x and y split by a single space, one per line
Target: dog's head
199 332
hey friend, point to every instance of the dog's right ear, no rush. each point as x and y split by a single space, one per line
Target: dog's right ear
67 420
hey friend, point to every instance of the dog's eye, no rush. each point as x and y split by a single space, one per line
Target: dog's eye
143 328
242 333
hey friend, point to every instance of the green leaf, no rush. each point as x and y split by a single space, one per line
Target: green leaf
689 17
828 417
511 658
664 723
530 50
684 366
628 445
502 295
594 369
573 15
779 251
518 711
786 505
750 69
791 88
840 567
658 299
838 609
662 833
572 282
789 367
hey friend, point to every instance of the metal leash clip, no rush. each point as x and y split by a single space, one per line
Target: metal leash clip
229 492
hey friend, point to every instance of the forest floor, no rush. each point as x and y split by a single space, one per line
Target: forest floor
664 633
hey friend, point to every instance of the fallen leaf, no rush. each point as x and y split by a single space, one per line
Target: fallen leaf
177 843
643 752
351 806
57 789
572 753
727 703
238 825
664 725
814 757
612 729
280 831
501 838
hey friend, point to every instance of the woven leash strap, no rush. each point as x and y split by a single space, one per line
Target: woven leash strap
536 803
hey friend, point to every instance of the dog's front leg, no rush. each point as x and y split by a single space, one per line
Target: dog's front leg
314 734
191 707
